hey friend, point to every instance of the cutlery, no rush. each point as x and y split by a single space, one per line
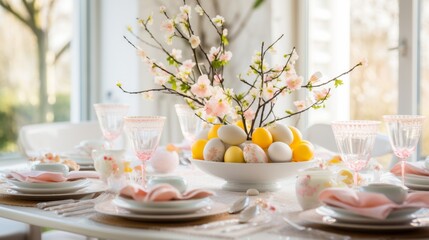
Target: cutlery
239 205
315 232
249 213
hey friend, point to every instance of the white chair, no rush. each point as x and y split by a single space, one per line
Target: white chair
321 135
57 137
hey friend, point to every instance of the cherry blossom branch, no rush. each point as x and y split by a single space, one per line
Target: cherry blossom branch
308 85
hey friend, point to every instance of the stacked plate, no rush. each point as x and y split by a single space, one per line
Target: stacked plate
400 219
417 182
176 210
51 190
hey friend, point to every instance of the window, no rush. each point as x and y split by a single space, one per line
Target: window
35 65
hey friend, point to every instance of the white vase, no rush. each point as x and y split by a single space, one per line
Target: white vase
309 184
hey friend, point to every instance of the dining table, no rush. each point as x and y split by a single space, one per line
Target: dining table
100 226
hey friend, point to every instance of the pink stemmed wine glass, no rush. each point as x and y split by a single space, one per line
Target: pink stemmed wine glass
111 119
404 134
144 133
355 141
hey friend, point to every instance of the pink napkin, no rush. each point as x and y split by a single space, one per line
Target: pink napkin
161 192
410 168
43 176
373 205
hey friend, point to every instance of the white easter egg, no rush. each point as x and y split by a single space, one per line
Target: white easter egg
214 150
254 154
232 134
281 133
164 161
280 152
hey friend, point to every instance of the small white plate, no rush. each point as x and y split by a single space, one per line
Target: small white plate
151 210
165 204
70 189
109 208
47 185
349 218
417 179
94 186
393 214
312 216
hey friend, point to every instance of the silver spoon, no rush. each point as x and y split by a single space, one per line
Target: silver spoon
249 213
239 205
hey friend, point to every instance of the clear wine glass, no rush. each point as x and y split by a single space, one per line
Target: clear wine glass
404 134
111 119
355 141
190 124
144 133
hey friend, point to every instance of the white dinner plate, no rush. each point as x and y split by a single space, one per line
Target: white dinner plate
73 188
416 186
94 186
151 210
393 214
353 218
109 208
312 216
416 179
164 204
47 185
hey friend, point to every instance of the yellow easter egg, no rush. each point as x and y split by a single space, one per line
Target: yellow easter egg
213 131
262 137
234 154
197 149
297 135
302 151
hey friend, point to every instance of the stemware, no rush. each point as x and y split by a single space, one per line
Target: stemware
404 133
355 141
190 124
144 133
111 119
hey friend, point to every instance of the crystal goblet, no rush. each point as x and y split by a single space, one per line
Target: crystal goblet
190 124
355 141
144 133
404 133
111 119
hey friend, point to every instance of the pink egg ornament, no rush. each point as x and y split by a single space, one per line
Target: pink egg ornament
164 161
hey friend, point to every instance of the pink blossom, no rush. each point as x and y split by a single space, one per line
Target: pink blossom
176 54
188 64
226 56
249 114
214 52
217 79
321 94
194 41
315 77
300 105
217 107
202 87
294 83
168 26
268 91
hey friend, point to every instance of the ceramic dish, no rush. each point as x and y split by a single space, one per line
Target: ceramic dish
52 185
397 213
165 204
348 218
416 179
261 176
109 208
312 216
151 210
416 186
95 186
52 190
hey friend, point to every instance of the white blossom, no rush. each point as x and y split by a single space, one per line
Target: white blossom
194 41
218 20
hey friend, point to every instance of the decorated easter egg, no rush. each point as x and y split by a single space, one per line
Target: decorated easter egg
232 134
279 152
214 150
234 154
281 133
164 161
254 154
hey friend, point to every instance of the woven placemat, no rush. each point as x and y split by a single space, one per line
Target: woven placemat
7 200
122 222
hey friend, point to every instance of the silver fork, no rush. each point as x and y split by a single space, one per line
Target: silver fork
316 232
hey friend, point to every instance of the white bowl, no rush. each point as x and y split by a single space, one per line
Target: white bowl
243 176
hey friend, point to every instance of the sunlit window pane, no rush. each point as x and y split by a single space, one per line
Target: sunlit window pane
424 67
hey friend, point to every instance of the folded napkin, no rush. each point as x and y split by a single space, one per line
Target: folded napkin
161 192
369 204
410 168
44 177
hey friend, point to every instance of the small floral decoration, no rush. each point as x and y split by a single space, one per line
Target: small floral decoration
197 73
